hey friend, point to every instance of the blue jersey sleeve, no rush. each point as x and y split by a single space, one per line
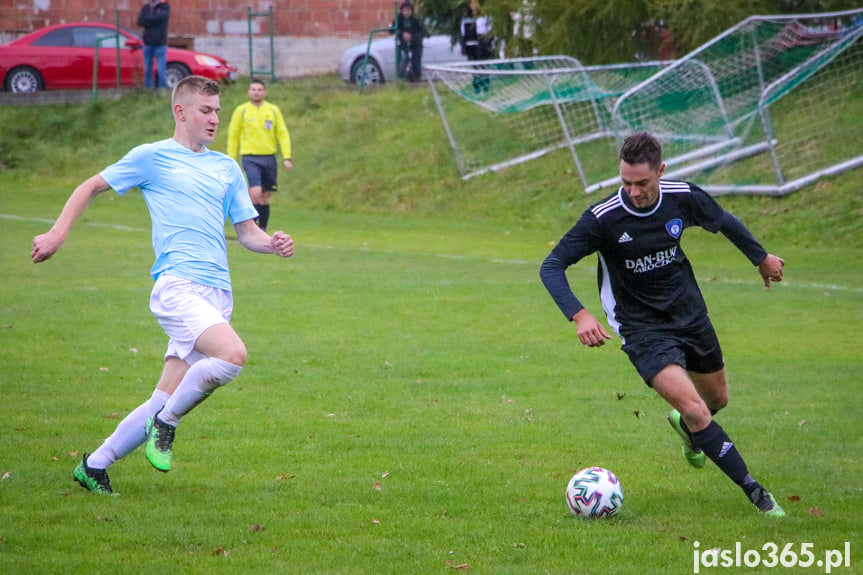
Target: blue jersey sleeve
130 171
240 206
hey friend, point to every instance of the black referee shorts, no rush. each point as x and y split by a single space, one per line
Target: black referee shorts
261 171
694 348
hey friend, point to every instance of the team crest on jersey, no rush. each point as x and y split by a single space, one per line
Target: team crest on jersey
674 227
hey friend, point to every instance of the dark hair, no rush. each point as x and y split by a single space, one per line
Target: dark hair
406 4
641 148
257 81
195 84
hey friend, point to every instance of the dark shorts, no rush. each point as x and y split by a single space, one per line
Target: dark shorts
261 171
695 349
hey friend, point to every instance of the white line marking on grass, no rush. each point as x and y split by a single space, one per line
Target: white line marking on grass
91 224
781 285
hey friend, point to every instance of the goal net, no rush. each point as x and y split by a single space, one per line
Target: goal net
498 113
769 106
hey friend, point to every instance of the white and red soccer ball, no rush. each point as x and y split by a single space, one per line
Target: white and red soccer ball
594 492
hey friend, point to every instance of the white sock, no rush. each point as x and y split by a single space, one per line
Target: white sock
129 434
204 377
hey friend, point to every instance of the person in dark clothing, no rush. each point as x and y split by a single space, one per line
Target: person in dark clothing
652 301
153 18
476 42
410 32
476 39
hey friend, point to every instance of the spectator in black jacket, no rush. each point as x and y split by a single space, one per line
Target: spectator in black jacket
154 20
410 33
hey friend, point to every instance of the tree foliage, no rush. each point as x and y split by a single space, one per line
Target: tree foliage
610 31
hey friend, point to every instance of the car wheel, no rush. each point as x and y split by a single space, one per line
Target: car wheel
370 74
24 79
174 72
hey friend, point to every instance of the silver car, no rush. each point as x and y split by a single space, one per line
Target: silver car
381 65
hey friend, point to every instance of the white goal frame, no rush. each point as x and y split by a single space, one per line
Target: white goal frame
742 111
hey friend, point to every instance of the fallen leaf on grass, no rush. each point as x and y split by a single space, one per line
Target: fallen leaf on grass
815 512
220 552
377 485
282 476
385 474
104 369
802 421
376 521
7 475
459 567
793 498
256 528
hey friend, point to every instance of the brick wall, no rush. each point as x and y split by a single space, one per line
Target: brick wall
307 18
310 35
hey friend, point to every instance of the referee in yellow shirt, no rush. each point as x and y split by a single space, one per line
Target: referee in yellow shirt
256 127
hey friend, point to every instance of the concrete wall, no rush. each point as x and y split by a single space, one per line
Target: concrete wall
294 56
309 35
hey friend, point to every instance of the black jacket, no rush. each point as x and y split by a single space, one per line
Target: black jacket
154 20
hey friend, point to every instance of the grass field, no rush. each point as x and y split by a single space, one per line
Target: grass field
413 402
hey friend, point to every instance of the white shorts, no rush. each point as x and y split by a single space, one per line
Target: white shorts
185 309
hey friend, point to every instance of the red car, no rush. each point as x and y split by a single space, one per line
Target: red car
61 57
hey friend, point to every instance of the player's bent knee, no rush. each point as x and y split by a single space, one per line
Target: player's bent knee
225 372
235 354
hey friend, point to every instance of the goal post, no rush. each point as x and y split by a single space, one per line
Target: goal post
498 113
782 93
769 106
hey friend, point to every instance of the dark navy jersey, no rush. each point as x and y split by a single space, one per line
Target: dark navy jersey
645 279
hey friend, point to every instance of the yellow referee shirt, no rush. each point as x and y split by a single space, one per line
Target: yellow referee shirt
256 130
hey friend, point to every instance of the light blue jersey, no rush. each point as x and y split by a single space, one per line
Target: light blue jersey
189 195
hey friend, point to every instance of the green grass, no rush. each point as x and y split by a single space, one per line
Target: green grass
408 344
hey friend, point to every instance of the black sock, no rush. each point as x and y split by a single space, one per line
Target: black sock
264 216
716 444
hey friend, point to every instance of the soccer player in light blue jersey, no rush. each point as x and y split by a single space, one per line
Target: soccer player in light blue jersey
190 191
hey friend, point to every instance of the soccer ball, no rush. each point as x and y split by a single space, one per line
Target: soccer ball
594 492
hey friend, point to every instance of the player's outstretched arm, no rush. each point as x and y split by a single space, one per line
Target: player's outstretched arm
46 245
771 269
255 239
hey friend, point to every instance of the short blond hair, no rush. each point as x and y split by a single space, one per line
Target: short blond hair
194 85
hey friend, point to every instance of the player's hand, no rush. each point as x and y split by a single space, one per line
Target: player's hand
590 332
771 269
45 246
283 244
288 165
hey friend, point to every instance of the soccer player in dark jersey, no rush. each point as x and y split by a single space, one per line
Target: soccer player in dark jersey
652 301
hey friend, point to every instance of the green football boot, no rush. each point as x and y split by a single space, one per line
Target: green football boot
160 440
692 454
766 503
94 480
